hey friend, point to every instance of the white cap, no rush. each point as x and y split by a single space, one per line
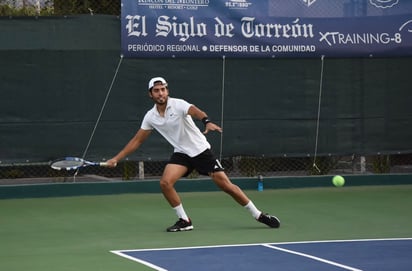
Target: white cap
157 79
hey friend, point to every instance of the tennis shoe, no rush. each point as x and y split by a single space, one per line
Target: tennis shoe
270 220
181 225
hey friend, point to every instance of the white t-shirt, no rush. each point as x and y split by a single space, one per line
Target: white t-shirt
177 127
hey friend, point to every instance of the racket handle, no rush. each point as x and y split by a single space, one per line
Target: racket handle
105 164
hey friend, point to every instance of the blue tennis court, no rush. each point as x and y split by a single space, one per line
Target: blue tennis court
355 255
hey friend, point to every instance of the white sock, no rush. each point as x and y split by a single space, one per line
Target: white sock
180 212
252 209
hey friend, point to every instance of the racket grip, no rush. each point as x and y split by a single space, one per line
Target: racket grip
105 164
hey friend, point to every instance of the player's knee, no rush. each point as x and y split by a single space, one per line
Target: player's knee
165 185
224 183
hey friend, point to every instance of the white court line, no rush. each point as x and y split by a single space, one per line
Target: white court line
155 267
272 243
313 258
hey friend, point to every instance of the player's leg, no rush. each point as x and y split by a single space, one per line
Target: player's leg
223 182
171 174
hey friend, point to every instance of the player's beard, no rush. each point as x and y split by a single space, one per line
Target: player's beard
160 100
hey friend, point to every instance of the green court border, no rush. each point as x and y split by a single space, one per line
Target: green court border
188 185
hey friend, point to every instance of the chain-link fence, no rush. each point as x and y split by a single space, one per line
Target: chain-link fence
241 166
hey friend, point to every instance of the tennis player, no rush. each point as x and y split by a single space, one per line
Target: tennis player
173 119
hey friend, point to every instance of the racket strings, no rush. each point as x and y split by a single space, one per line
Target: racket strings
67 164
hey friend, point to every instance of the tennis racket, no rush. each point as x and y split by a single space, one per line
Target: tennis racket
72 163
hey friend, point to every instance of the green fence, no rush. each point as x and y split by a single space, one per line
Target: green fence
56 72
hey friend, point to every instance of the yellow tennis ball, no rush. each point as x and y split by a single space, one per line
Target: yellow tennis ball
338 181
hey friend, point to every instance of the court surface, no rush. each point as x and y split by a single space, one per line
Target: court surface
79 232
355 255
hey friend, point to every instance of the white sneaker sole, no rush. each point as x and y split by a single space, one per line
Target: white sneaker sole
188 228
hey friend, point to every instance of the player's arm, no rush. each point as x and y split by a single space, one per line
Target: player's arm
196 113
130 147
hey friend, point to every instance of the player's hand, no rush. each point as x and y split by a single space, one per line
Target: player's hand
112 163
210 126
